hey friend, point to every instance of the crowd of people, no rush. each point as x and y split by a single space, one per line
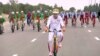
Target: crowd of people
18 18
54 24
84 16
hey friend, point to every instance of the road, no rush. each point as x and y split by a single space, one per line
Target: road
77 41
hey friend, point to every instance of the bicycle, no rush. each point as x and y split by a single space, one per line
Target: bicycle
55 44
17 27
22 26
38 26
93 22
74 22
33 24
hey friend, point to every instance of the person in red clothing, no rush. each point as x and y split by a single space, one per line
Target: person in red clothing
45 17
66 18
33 19
82 18
93 18
29 18
87 16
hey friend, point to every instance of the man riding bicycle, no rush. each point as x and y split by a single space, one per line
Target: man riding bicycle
55 21
12 18
17 19
93 18
33 19
45 17
22 18
29 18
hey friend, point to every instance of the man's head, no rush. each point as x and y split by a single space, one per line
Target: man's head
55 13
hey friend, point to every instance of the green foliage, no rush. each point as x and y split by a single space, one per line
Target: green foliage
95 7
13 6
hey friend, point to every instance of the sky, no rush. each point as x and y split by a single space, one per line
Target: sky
66 4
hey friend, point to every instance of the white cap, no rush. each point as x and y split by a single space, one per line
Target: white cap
17 12
38 11
46 11
0 16
21 11
33 11
12 12
55 11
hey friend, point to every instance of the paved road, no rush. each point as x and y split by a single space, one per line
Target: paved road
77 42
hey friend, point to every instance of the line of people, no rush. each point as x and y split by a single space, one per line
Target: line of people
18 19
84 17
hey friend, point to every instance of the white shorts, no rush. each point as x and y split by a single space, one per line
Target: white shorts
59 36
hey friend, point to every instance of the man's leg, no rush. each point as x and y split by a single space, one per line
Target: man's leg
50 43
60 38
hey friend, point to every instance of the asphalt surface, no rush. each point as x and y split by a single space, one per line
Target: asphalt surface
78 41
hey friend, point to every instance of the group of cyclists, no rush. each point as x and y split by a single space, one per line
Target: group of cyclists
57 21
18 18
84 16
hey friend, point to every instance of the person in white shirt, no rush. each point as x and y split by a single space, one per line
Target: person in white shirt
55 21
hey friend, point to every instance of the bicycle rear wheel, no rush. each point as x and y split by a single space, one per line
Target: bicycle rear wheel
12 28
22 27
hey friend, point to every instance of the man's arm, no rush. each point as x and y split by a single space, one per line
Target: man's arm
62 24
48 24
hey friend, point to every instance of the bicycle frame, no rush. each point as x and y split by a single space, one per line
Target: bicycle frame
55 49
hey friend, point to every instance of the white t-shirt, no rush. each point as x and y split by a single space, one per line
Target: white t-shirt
55 23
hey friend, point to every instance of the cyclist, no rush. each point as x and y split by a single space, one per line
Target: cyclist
22 18
29 18
45 17
66 18
82 18
2 20
93 18
38 20
33 19
74 18
55 21
17 19
12 18
87 14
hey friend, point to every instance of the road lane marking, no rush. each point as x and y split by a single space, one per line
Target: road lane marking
33 40
15 55
97 38
89 31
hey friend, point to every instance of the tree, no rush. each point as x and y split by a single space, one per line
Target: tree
79 10
1 5
72 9
55 6
7 8
14 5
